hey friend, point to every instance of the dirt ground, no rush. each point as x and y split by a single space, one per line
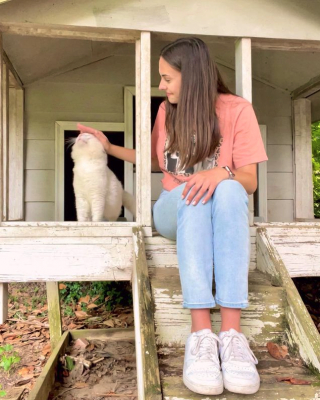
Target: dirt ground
27 331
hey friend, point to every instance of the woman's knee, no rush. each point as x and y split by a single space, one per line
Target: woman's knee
230 191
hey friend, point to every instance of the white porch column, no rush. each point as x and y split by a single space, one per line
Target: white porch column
143 130
3 286
244 85
303 159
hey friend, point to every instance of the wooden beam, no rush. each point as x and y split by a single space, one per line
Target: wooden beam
65 259
244 86
303 159
143 130
146 352
71 32
308 89
13 71
54 313
286 45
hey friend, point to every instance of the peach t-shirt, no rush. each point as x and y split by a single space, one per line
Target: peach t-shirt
241 143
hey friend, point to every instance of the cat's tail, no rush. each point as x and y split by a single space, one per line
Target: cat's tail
129 202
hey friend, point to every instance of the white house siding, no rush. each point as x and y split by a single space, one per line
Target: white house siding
95 93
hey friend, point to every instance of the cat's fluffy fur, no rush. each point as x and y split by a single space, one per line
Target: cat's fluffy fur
99 194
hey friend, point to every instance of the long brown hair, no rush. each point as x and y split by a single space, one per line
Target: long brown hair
192 124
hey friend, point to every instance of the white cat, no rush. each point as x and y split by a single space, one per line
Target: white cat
99 194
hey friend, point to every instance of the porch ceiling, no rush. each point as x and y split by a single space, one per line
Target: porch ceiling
36 58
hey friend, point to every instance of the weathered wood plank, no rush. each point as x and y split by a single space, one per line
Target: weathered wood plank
261 321
69 229
71 32
146 352
59 262
165 255
103 334
46 380
301 331
54 313
299 249
303 159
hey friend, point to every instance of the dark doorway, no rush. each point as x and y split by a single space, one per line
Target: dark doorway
116 165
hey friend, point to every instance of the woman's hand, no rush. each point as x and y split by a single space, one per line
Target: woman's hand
203 182
98 134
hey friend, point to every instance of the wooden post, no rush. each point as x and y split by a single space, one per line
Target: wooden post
5 138
148 376
143 130
303 159
16 149
54 313
244 85
3 286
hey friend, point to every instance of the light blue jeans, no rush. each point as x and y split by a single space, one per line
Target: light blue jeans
216 233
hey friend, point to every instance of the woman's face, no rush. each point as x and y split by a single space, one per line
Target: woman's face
170 81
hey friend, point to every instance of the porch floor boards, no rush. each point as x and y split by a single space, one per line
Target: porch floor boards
171 366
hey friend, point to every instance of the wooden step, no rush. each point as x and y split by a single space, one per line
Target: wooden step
262 321
171 366
162 252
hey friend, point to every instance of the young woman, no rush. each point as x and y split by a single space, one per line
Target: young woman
207 143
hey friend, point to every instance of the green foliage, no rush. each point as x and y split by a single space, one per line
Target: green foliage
111 293
2 392
69 363
8 357
316 167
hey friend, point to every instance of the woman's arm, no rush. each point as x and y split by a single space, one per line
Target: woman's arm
117 151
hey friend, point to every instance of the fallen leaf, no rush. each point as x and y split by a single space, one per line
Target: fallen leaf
109 322
80 385
62 286
276 351
90 347
81 314
81 343
94 298
46 349
1 338
71 326
293 381
90 306
84 299
23 371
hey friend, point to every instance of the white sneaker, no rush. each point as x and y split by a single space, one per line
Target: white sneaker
239 371
201 370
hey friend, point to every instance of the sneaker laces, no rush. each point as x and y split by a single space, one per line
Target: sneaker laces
239 349
206 348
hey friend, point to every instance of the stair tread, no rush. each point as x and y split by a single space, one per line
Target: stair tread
262 321
171 365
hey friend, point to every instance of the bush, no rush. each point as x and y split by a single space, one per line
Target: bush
112 293
316 167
